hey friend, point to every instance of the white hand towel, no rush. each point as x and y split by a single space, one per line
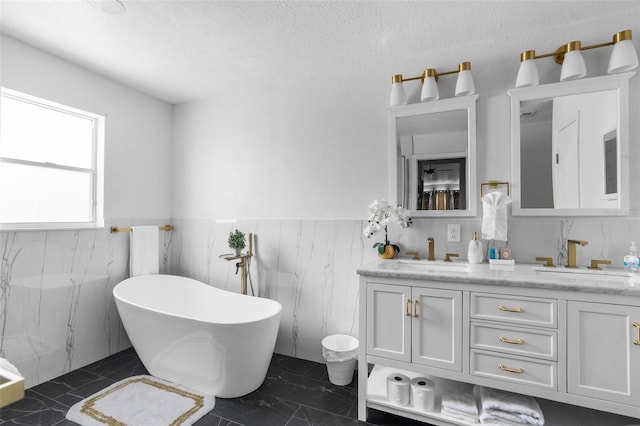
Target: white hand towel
494 216
144 255
508 407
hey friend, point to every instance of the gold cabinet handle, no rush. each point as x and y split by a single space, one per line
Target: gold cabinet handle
511 342
407 312
415 307
508 309
510 370
637 326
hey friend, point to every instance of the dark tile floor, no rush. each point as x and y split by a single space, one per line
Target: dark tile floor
295 393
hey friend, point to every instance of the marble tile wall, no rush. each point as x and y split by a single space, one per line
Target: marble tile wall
309 265
57 311
306 265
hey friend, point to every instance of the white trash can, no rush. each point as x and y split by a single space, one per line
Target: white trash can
340 352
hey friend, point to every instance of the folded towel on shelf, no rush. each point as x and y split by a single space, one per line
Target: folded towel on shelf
144 255
458 415
460 405
502 407
488 420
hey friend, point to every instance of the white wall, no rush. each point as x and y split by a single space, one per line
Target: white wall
317 149
295 152
56 307
138 127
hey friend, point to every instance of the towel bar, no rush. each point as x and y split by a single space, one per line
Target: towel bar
494 185
118 229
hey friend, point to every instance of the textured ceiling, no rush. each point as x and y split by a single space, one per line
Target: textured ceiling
185 50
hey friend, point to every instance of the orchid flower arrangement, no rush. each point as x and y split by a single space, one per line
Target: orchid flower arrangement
379 215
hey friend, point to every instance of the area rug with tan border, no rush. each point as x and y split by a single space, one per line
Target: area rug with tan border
142 401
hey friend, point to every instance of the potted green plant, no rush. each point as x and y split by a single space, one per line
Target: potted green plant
380 214
236 241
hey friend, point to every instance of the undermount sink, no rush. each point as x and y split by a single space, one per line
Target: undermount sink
588 274
430 266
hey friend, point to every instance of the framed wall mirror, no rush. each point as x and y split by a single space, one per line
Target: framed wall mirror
570 145
433 157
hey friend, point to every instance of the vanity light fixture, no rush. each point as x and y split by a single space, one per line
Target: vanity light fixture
464 85
623 58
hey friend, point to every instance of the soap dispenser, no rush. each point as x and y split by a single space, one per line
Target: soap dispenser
631 260
474 254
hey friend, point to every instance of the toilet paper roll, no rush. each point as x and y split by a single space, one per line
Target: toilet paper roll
399 388
423 394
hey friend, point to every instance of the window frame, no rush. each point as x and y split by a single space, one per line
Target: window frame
96 172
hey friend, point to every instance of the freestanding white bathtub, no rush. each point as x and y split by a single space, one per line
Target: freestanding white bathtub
197 335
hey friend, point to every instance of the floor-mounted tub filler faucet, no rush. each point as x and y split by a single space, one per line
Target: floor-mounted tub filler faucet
242 265
571 250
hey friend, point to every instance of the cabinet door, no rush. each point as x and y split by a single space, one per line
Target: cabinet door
437 328
603 361
389 321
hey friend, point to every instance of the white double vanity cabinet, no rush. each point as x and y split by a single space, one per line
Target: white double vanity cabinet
568 340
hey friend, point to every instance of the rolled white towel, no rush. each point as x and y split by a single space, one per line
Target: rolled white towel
497 405
6 365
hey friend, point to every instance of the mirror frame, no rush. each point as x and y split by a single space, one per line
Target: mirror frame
618 82
397 169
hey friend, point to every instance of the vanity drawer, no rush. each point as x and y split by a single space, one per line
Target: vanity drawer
515 309
525 371
539 343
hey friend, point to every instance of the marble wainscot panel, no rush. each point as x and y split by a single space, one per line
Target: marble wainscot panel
306 265
309 265
57 311
530 237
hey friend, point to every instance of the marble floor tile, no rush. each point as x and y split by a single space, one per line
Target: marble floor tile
295 393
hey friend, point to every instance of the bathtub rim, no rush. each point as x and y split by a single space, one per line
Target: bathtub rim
277 312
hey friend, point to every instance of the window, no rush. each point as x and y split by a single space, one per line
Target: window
51 160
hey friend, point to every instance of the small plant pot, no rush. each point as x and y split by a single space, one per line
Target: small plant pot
389 252
238 251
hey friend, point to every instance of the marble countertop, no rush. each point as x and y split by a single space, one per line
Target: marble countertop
610 281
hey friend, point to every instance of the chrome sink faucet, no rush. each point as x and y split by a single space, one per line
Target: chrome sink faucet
571 249
431 255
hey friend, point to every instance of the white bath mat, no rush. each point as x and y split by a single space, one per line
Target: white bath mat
142 401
